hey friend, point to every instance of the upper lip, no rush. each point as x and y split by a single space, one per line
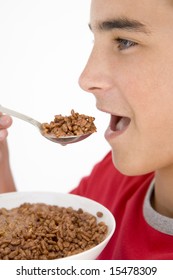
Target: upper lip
115 118
117 114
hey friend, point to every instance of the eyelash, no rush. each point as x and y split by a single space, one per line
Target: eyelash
124 44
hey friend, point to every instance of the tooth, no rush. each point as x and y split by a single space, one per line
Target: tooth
123 122
120 125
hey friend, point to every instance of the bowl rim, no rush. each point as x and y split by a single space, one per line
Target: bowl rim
53 193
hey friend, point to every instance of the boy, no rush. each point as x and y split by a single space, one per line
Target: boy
130 74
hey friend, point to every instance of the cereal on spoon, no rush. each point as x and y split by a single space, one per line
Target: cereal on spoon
73 125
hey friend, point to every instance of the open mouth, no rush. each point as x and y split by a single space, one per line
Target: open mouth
119 123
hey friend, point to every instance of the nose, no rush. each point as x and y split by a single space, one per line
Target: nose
96 77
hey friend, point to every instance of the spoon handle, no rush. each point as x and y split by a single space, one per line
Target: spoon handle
20 116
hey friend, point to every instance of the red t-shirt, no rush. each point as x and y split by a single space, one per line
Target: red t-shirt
124 196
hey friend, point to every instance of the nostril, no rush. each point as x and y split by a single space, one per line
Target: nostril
87 85
94 82
94 88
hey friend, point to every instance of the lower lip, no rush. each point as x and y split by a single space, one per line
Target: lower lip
111 134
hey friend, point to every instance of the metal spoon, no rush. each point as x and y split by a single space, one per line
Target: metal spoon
60 140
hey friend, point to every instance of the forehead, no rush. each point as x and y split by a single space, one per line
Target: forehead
152 13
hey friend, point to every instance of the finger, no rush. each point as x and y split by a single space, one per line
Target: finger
3 134
5 121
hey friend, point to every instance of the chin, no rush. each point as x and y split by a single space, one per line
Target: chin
128 168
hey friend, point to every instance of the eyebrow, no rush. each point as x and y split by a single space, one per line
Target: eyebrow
121 23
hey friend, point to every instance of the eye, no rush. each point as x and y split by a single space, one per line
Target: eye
124 44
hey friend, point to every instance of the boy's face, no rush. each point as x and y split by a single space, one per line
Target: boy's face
130 72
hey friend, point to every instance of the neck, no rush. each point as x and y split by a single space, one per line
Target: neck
163 193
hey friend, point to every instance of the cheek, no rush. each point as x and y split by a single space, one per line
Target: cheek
149 93
149 144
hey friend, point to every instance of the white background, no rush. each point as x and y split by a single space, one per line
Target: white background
44 45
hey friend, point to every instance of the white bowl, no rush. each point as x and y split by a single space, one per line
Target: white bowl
11 200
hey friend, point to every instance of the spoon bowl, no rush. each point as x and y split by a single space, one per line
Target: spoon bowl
62 140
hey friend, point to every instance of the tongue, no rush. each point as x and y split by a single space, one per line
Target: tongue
123 123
